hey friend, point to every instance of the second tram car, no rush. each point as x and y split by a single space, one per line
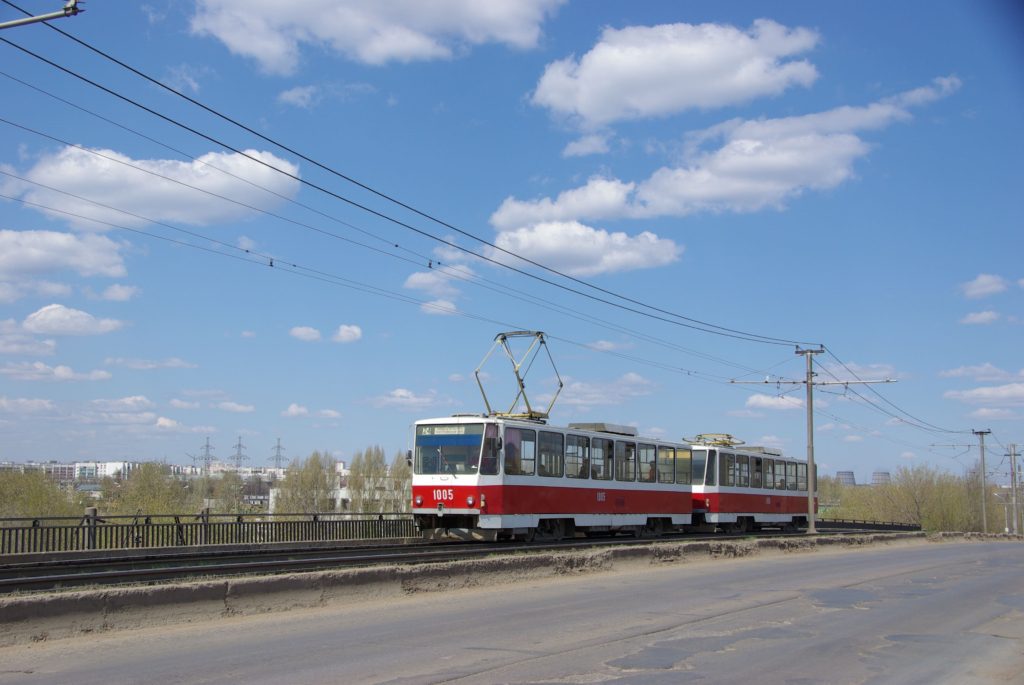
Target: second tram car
739 489
495 477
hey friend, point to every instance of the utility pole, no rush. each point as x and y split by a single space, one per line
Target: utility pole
812 479
71 8
278 457
1013 485
984 480
238 457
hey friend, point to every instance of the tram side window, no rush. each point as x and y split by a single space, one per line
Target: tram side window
743 471
646 463
769 473
697 467
791 475
601 459
489 463
520 451
755 472
780 475
728 476
549 458
683 468
625 460
712 467
577 456
666 464
801 477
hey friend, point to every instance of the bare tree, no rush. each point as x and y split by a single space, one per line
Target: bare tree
309 485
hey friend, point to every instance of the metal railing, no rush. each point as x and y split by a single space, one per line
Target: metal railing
94 532
857 524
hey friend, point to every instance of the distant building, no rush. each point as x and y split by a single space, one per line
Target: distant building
846 478
881 478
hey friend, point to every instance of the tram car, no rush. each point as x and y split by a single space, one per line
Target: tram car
738 488
494 477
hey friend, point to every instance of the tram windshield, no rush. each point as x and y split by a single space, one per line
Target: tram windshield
449 448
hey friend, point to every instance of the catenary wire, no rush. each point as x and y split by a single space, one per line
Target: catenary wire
696 324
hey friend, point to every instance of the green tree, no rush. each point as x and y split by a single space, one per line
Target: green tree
308 486
32 494
368 481
227 493
401 483
149 489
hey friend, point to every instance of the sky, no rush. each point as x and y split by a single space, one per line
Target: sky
681 195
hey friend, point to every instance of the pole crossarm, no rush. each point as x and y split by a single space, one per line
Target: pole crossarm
71 8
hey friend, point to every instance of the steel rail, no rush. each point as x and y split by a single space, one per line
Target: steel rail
60 574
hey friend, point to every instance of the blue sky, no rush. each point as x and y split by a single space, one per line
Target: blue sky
811 172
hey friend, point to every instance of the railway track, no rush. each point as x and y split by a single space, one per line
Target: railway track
153 566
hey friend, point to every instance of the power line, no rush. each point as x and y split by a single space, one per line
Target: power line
695 324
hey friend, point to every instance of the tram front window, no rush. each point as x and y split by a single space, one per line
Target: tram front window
448 448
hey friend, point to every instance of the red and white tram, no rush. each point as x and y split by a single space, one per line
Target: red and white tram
738 489
495 477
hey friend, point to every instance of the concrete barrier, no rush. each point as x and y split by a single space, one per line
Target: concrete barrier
62 614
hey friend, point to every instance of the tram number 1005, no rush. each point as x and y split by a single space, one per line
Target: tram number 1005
446 495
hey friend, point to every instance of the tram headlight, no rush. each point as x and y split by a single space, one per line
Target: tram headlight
418 500
470 500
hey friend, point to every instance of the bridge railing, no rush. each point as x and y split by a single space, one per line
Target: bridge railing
855 524
94 532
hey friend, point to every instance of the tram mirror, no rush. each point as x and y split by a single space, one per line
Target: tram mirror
408 457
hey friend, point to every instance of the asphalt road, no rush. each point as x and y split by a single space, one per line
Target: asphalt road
921 613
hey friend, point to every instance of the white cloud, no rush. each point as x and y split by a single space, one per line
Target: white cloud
982 372
994 414
164 423
593 144
745 414
980 318
439 307
771 441
104 179
37 371
148 364
15 341
236 408
120 293
300 96
21 405
133 403
56 319
347 333
436 282
294 410
756 164
248 334
775 402
182 404
853 438
648 71
305 333
24 254
864 372
407 400
1011 393
620 390
984 285
608 346
329 414
580 250
376 33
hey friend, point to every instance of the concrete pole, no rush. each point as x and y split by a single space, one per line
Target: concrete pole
812 482
984 480
1013 486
